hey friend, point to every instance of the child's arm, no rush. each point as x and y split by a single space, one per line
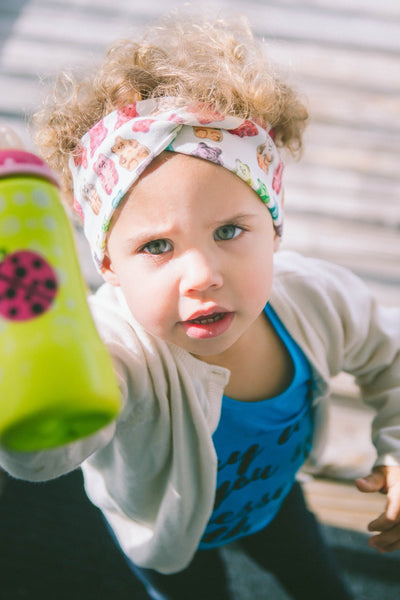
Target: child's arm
373 356
386 480
379 378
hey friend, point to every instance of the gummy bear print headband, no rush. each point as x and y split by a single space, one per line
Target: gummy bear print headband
112 155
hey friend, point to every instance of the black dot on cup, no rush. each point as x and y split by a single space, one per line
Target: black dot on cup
37 308
50 284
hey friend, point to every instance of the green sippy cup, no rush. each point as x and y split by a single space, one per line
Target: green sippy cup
56 377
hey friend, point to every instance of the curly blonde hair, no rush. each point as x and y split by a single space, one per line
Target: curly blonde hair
214 61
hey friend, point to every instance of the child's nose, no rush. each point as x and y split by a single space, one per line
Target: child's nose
199 273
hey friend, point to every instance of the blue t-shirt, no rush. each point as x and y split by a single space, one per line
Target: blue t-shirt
260 447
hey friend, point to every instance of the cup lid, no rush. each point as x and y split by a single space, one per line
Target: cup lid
14 161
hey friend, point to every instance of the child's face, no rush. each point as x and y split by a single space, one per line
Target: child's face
192 250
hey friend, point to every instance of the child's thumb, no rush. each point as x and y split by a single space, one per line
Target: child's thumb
371 483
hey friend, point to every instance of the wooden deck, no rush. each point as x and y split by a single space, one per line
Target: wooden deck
342 199
340 504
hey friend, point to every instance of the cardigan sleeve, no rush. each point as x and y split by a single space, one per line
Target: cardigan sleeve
346 329
372 355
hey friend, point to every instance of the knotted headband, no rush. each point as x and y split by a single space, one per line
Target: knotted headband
112 155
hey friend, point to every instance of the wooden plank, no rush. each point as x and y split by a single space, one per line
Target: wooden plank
343 29
345 237
358 69
61 24
370 110
342 505
141 10
363 152
367 199
372 253
348 454
350 134
387 8
18 94
45 58
363 184
362 161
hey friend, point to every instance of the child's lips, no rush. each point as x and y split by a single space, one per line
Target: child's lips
208 318
208 325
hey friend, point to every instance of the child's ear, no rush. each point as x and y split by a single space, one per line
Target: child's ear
108 272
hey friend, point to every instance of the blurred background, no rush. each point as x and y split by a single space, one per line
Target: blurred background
342 198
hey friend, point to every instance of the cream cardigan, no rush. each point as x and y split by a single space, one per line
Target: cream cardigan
153 472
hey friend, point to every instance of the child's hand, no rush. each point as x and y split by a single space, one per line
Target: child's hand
386 480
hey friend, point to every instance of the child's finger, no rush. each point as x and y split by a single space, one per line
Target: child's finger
391 517
382 523
393 547
387 541
393 503
374 482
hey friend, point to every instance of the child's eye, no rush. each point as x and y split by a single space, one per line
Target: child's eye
157 247
227 232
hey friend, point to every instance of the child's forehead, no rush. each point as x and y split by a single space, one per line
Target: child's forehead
171 172
177 184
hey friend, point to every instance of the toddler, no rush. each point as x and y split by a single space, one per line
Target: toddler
223 347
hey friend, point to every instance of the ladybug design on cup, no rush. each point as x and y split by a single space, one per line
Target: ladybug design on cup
28 285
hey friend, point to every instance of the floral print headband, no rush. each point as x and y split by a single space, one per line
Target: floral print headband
112 155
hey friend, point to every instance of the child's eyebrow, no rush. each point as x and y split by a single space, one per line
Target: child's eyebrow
143 237
146 235
235 218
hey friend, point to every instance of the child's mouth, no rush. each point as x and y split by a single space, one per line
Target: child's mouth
209 319
208 326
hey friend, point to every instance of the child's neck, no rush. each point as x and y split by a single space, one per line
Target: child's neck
259 362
